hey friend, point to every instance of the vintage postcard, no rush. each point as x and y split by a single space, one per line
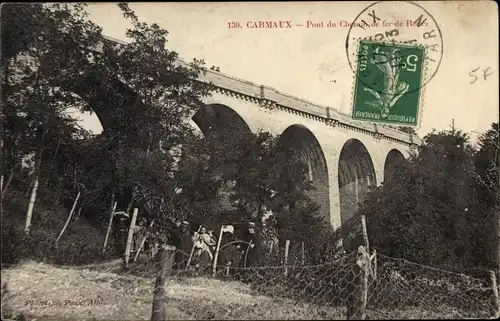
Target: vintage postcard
253 160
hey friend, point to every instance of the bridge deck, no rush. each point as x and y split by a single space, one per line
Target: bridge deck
269 94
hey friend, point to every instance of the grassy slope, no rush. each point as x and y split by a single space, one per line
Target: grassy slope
130 297
127 297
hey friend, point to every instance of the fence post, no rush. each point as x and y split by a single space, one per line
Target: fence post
108 231
495 306
365 233
165 260
365 261
356 307
214 268
192 250
130 235
287 247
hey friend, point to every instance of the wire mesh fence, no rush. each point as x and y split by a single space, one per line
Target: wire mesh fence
285 286
399 289
403 289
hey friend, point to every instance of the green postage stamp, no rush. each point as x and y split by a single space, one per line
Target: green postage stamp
387 83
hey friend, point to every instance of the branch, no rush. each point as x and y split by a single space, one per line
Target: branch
4 190
69 216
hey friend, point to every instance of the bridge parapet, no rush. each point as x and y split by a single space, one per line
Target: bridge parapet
268 96
328 114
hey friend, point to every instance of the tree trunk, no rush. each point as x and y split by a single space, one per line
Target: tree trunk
38 165
29 213
69 216
129 238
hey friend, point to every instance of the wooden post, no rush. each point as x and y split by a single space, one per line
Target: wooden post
287 247
111 216
142 242
69 216
364 262
165 260
365 233
356 309
214 269
303 254
495 306
364 253
130 235
192 250
31 205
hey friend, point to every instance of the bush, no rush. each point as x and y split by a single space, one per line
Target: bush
80 244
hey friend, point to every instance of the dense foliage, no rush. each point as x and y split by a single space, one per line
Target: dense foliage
439 208
148 156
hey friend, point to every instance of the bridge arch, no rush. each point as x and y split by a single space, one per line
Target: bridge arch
225 126
299 139
393 159
220 121
356 174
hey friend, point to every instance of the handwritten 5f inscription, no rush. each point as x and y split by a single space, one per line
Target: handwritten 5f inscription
486 73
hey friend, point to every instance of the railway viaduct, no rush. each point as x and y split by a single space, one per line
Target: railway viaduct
344 157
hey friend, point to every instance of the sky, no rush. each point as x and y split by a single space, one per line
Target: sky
311 63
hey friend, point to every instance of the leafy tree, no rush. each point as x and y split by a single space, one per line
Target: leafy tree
35 67
259 174
429 212
487 164
255 168
48 60
198 183
156 122
151 97
299 217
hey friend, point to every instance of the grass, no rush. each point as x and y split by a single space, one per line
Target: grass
46 292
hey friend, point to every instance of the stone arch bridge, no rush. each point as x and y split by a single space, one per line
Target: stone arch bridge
344 157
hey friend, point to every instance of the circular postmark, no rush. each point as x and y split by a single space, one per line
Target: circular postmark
400 24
